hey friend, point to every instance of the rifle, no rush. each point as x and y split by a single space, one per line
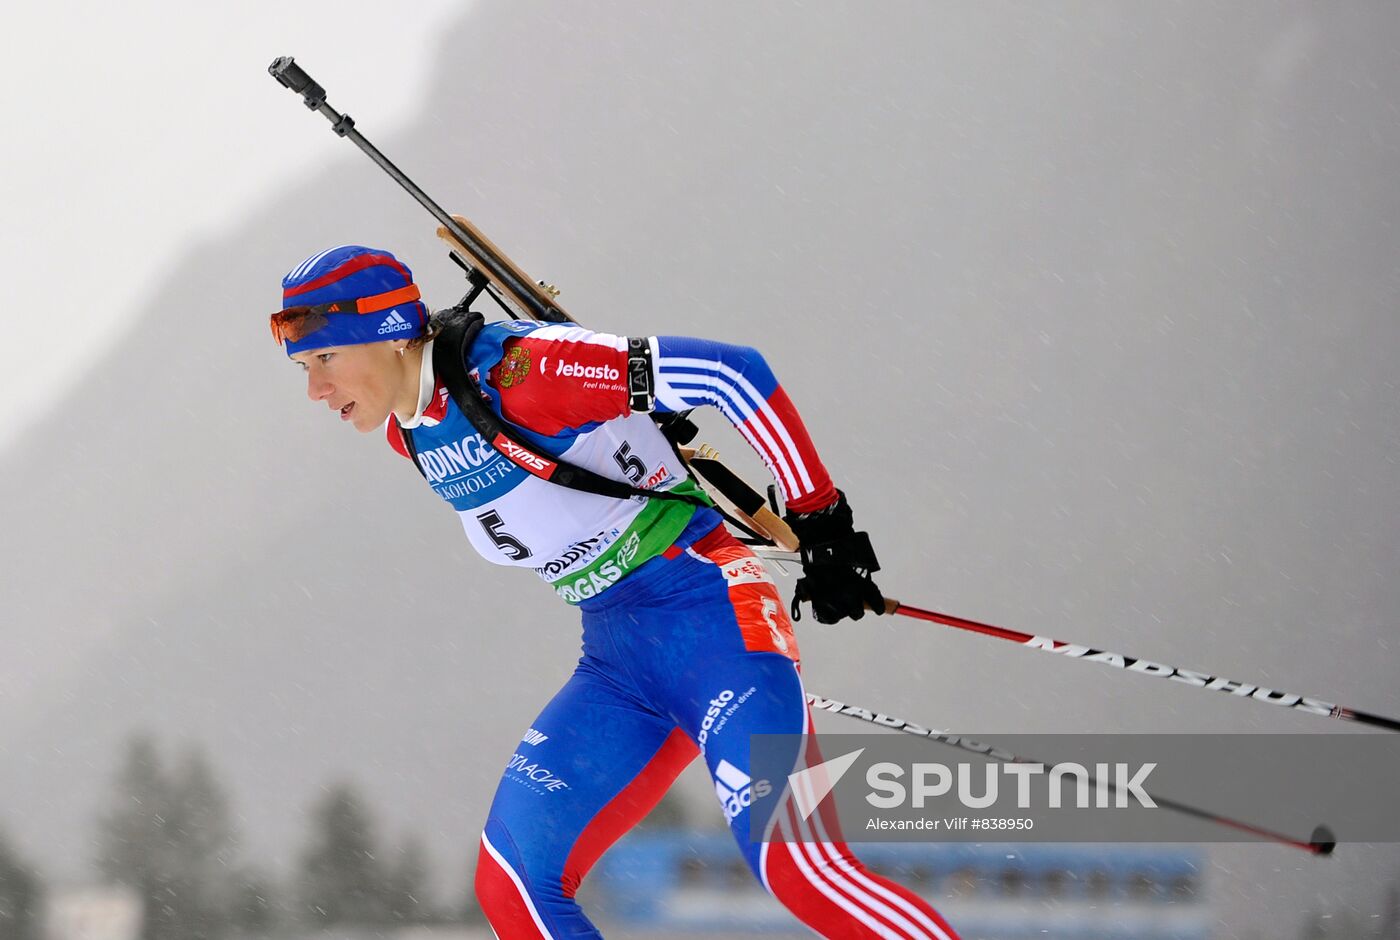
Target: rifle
490 271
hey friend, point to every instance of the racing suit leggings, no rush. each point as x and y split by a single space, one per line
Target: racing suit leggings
691 654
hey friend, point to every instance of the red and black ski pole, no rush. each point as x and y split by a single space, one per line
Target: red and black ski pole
1188 677
785 542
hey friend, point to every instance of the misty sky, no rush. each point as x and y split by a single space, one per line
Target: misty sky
133 130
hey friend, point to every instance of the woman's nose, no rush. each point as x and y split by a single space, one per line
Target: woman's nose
317 388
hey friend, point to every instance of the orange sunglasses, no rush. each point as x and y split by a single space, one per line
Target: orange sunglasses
293 324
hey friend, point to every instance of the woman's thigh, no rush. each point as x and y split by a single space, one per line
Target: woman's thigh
590 766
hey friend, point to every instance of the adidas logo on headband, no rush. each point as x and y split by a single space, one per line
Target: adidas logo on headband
394 323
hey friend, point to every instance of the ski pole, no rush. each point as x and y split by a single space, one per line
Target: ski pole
1321 842
786 546
1146 667
785 549
1199 680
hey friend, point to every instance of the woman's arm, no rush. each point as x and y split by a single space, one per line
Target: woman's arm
561 377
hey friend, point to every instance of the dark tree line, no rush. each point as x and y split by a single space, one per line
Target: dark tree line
168 835
19 897
344 878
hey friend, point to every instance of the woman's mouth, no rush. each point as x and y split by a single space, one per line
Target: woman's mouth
345 412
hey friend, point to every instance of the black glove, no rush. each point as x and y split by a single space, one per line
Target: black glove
837 563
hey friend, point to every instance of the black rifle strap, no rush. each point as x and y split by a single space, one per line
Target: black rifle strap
449 362
406 436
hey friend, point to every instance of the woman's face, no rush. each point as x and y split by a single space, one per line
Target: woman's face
361 382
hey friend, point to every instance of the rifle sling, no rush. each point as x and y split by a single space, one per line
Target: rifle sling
449 361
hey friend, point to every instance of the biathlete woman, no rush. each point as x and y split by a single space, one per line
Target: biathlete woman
687 645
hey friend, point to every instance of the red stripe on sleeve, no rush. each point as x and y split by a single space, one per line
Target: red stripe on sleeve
801 457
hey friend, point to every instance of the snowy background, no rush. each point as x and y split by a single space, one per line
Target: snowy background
1092 309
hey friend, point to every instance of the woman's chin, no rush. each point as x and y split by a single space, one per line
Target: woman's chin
362 419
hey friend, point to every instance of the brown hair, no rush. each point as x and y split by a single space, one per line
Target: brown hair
435 325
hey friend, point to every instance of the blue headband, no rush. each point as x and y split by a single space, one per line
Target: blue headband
346 296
